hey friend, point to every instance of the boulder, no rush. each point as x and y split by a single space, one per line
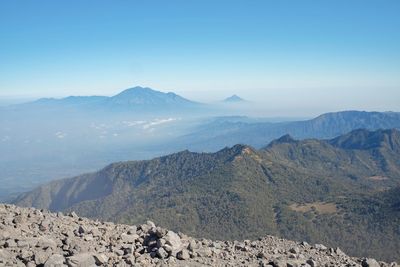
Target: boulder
173 241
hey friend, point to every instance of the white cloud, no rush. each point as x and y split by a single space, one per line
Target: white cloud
158 122
60 135
133 123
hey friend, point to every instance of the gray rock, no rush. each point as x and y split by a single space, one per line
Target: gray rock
100 259
22 243
10 243
280 263
161 253
5 255
127 238
173 240
338 251
45 243
204 252
168 249
304 244
132 230
41 257
82 229
160 232
55 260
320 247
370 263
312 263
150 224
183 255
81 260
73 215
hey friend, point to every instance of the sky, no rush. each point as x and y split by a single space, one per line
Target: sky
300 55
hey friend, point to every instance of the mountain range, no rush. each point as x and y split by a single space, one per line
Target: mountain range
342 192
228 131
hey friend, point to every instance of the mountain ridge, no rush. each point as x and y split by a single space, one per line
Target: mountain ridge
220 132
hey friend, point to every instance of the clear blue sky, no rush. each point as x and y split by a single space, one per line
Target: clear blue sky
204 49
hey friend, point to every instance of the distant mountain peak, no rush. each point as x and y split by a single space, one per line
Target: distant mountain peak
285 139
137 90
146 96
234 98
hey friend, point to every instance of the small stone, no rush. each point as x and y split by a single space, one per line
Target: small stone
370 263
41 257
81 260
55 260
10 243
126 238
183 255
4 254
192 245
119 252
22 243
312 263
262 255
320 247
100 259
18 220
95 232
46 243
205 252
161 253
167 248
132 230
280 263
304 244
82 229
160 232
338 251
151 224
128 249
73 215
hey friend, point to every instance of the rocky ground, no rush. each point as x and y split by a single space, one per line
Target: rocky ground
31 237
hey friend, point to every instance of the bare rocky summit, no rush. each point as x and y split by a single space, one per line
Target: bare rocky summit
32 237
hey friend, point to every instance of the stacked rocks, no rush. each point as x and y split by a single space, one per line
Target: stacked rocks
31 237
